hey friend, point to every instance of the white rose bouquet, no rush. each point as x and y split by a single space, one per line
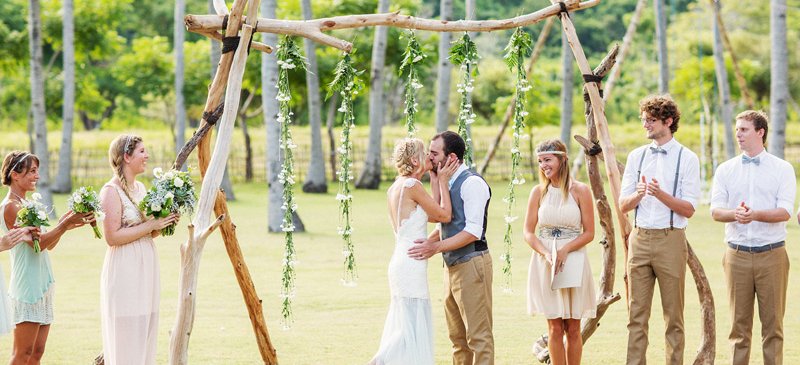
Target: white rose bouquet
172 192
85 200
32 214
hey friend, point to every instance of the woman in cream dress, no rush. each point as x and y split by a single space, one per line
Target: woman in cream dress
563 212
129 282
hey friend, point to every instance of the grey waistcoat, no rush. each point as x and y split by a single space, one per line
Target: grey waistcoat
458 222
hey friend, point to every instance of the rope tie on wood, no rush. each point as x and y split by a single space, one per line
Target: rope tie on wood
212 117
563 9
587 78
229 44
595 149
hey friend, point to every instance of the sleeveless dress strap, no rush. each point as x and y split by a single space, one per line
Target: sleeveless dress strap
407 183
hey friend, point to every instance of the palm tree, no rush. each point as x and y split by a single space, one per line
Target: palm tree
63 181
371 174
37 103
661 41
779 80
726 108
315 179
443 79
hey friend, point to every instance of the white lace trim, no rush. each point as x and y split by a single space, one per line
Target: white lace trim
39 312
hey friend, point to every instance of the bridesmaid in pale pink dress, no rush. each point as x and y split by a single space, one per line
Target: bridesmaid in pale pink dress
129 283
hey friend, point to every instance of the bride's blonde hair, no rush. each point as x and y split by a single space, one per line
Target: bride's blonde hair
405 151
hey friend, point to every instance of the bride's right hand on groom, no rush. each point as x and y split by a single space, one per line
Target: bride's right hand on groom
449 168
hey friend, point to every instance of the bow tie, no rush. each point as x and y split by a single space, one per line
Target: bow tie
658 150
755 160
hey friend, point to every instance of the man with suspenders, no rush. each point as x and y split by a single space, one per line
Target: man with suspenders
661 185
753 194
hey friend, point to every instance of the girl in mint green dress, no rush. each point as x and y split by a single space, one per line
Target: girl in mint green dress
7 242
31 284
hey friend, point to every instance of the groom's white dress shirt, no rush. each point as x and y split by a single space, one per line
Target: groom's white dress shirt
474 193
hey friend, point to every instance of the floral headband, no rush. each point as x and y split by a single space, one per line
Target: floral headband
550 153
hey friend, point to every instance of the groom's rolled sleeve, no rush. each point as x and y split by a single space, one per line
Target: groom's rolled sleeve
475 194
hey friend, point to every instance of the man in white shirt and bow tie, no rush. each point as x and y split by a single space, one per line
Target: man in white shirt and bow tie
753 194
661 185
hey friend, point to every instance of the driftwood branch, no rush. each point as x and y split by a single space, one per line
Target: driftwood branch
313 29
198 135
254 44
191 251
537 50
708 334
598 111
594 148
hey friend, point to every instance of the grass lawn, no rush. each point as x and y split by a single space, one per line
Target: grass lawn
342 325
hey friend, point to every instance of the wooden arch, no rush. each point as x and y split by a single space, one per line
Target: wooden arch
228 81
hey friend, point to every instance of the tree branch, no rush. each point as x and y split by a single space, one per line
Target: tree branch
313 29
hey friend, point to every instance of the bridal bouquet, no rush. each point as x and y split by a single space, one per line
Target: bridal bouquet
32 214
172 192
85 200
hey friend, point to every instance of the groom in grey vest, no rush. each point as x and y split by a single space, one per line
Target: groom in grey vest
468 264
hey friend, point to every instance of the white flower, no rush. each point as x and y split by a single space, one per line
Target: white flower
41 215
417 59
169 195
510 219
155 207
169 175
77 199
36 196
157 172
469 88
178 182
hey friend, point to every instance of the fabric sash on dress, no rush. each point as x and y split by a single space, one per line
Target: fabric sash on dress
559 232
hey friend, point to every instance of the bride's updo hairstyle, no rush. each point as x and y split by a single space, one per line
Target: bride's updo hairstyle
405 151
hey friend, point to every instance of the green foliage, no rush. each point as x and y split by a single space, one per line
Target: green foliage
347 83
411 57
147 70
289 58
464 53
517 50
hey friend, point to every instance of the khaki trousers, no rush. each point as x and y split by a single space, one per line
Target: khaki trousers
468 309
763 276
656 255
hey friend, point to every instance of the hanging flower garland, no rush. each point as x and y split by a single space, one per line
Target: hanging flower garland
517 50
347 83
464 53
289 58
412 55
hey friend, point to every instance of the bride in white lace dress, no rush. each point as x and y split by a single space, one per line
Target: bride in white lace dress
408 333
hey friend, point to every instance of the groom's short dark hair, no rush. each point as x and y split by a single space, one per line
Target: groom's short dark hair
453 143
